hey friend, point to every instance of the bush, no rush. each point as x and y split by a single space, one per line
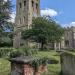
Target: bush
6 42
12 52
5 52
27 51
15 53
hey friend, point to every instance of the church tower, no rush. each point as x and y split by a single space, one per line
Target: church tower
25 11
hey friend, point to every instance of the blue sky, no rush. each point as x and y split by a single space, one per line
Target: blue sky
62 11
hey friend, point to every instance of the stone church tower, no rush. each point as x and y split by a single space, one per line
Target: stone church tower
25 11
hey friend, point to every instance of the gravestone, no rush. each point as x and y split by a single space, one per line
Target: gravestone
24 66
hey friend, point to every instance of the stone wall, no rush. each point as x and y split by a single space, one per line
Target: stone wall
67 63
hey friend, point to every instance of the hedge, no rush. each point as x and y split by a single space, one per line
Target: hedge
5 52
12 52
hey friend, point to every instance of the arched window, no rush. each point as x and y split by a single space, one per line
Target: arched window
67 43
32 3
25 3
20 5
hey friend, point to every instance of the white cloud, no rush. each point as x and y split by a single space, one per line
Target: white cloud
5 0
69 25
45 12
72 24
49 12
12 17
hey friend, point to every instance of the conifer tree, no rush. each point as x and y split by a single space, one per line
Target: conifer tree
5 11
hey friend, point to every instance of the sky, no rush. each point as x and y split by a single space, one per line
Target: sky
62 11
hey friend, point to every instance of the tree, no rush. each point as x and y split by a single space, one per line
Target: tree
5 25
5 11
43 31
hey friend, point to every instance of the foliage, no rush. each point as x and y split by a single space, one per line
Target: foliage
12 52
0 32
43 31
5 25
5 42
5 52
38 62
53 69
52 55
5 11
6 39
15 53
22 52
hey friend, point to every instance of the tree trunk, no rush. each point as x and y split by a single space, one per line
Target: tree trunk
42 46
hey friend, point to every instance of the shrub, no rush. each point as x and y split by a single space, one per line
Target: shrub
38 62
12 52
5 52
15 53
24 51
27 51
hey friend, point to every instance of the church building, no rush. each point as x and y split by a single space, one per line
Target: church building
25 11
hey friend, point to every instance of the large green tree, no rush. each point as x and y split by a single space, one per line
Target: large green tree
43 30
5 25
5 11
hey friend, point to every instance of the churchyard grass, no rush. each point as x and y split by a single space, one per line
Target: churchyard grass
4 67
53 69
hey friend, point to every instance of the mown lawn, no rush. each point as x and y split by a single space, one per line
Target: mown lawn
4 67
49 54
53 69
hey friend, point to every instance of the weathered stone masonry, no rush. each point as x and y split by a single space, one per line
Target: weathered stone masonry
25 11
68 63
